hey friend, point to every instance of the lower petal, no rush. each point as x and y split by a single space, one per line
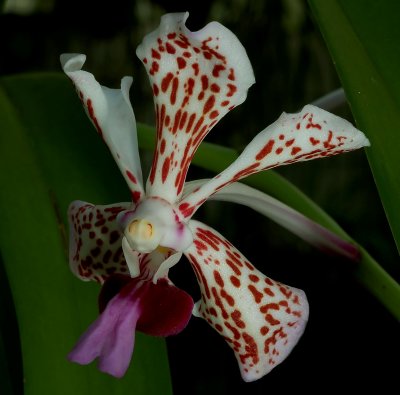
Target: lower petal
111 337
261 319
126 304
166 309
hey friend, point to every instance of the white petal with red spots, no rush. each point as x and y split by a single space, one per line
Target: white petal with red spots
261 319
196 77
95 250
313 133
111 113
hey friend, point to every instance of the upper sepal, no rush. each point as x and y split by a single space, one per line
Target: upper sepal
196 77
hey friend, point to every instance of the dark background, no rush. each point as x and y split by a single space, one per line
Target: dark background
351 340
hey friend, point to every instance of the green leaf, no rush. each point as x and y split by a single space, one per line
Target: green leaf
50 158
363 39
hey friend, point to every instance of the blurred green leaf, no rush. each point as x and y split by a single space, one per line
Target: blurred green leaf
48 159
364 41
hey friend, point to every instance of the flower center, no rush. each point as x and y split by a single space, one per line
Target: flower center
141 229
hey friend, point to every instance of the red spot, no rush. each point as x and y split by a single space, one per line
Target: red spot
204 82
162 146
235 281
214 114
231 75
176 121
227 297
254 278
327 142
181 62
271 320
187 54
207 239
95 252
199 274
298 126
183 120
269 306
155 54
236 333
265 150
209 104
289 142
195 68
175 84
131 177
251 348
167 120
190 85
215 88
232 90
170 48
200 246
217 70
93 117
190 122
219 303
285 291
218 278
181 44
236 316
279 150
156 91
145 60
171 36
198 124
257 295
225 103
114 236
264 330
107 256
295 150
314 141
281 137
233 267
268 291
136 196
154 68
166 81
313 125
186 209
207 55
247 171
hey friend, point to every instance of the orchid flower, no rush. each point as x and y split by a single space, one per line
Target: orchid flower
196 78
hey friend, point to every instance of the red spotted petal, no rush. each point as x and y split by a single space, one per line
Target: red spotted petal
312 133
197 77
111 114
95 250
261 319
